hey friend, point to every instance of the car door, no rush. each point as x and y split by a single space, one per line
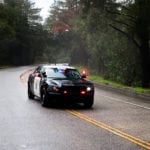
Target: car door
37 80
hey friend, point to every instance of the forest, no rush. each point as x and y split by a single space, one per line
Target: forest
111 37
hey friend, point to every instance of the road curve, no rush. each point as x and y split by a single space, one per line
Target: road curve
24 124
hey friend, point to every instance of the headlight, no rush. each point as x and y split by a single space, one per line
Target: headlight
88 89
53 88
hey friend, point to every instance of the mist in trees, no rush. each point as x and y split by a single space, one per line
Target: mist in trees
110 37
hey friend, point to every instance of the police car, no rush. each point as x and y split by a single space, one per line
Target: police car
60 83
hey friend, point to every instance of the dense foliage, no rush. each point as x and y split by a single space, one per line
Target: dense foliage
110 37
22 38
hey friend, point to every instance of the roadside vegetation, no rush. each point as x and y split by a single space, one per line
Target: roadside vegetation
111 38
99 79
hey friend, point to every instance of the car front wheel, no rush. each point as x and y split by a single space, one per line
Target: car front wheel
30 94
44 98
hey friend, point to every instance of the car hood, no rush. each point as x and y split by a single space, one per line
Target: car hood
65 82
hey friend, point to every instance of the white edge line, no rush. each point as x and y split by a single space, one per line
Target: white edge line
126 102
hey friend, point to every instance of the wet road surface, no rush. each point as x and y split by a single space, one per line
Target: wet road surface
115 122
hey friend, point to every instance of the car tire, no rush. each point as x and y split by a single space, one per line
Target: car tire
30 94
44 98
89 102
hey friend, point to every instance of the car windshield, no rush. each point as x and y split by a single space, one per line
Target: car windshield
62 73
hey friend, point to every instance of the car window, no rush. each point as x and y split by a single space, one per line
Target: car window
54 73
62 73
72 74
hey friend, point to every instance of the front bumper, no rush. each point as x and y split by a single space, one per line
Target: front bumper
70 97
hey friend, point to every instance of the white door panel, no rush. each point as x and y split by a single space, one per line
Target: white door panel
37 86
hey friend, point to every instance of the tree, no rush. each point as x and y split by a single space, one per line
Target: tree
59 23
92 25
134 22
130 19
22 37
7 34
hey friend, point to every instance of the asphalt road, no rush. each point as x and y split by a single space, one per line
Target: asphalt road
115 122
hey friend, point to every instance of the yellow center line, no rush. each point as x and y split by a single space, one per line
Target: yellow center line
131 138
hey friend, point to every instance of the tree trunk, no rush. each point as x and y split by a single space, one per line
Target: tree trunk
145 62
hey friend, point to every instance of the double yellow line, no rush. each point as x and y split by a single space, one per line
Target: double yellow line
135 140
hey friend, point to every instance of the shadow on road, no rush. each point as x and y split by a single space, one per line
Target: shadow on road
62 105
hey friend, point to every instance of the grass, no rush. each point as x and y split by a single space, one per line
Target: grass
101 80
141 90
111 83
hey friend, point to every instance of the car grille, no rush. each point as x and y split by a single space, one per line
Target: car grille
74 90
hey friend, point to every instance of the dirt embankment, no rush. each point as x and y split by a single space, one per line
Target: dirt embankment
24 76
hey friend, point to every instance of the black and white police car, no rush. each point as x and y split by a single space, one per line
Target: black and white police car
60 82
